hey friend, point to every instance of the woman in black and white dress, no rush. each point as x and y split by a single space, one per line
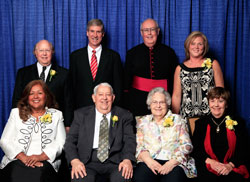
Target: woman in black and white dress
194 78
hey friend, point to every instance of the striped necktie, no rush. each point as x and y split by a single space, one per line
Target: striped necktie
93 65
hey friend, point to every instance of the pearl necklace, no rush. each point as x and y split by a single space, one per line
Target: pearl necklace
218 125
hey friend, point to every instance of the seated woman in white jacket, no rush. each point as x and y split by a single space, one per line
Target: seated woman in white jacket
33 137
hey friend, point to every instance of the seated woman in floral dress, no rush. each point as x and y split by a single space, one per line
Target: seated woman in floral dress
163 143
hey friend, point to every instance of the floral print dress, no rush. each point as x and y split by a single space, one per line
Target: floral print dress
166 142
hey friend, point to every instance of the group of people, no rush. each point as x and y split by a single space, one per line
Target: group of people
90 112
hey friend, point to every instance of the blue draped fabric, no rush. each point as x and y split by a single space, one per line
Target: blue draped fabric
226 23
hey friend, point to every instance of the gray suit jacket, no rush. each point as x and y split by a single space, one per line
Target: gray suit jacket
79 141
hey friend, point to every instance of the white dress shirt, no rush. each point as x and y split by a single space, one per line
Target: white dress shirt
98 119
98 53
40 69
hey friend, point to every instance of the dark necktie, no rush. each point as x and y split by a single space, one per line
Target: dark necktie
42 75
103 145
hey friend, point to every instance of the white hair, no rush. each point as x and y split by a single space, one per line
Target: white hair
103 84
158 90
157 26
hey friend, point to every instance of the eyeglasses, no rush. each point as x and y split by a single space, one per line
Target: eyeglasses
42 51
161 103
149 30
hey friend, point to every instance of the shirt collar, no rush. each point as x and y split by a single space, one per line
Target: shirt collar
90 49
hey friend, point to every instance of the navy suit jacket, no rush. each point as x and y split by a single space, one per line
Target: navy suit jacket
57 85
81 83
122 140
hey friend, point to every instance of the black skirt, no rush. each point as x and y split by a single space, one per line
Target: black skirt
16 171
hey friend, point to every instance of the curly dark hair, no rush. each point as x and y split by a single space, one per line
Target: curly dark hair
23 104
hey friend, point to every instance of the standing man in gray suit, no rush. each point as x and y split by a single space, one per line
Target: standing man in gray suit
101 140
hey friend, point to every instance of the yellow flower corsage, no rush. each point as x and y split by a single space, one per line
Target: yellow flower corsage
51 74
230 123
169 121
207 63
47 118
114 120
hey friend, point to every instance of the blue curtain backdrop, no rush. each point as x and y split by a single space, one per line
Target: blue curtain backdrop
63 22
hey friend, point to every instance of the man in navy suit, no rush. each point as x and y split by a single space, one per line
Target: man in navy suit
54 76
108 68
83 140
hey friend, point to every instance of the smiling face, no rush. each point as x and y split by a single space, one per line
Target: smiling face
95 35
196 47
217 106
103 99
149 32
37 98
43 52
158 105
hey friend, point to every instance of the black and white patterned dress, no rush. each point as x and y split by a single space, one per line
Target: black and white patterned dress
195 84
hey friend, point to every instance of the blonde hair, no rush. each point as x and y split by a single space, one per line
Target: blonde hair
191 38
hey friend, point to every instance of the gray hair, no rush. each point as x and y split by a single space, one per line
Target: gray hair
95 22
158 90
157 26
103 84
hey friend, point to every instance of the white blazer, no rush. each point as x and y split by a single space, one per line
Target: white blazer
17 136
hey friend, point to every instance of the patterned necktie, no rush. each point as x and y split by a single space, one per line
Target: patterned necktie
93 64
42 75
103 146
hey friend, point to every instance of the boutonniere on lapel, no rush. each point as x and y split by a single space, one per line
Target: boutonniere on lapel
51 74
230 123
47 118
207 63
114 120
169 121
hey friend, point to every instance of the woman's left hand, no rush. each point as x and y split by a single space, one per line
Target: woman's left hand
38 164
168 167
32 160
225 169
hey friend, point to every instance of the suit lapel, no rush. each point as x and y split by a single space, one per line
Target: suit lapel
113 127
53 67
34 72
85 64
102 63
90 125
